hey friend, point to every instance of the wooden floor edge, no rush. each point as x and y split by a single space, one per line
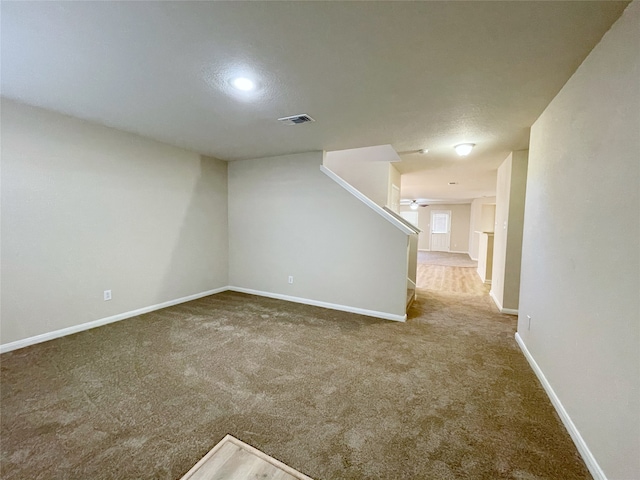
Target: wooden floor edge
208 455
275 462
239 443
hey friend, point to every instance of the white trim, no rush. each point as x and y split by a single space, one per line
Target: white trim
411 285
424 250
366 200
459 251
486 282
44 337
583 448
317 303
508 311
400 218
495 299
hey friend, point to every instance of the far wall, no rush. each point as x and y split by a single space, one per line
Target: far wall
86 208
337 249
460 219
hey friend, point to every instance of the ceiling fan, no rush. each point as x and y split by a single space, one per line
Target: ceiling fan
414 204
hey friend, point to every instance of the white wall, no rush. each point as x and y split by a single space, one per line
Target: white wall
580 259
287 218
395 180
509 217
460 218
371 177
482 219
86 208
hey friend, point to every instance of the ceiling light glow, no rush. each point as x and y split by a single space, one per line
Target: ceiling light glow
423 151
464 149
414 205
243 83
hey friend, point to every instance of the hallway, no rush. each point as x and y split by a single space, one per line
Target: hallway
449 273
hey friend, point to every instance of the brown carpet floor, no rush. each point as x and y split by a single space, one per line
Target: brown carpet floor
446 259
446 395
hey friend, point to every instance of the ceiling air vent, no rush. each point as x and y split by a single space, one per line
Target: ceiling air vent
296 119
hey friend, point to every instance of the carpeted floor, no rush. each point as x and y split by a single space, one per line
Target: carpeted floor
337 396
446 259
457 280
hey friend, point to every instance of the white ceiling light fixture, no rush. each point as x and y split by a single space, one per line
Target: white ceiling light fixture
464 149
243 83
423 151
413 205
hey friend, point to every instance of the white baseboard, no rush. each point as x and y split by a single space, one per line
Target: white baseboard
582 446
44 337
495 300
508 311
486 282
317 303
459 251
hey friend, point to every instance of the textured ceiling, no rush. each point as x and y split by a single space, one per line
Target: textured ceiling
409 74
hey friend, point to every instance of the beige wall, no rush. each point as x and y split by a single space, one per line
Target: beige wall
515 223
287 218
372 178
581 261
482 219
86 208
395 179
460 218
507 247
503 188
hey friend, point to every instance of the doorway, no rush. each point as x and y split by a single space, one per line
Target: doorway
440 230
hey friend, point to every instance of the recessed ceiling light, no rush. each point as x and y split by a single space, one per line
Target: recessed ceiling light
453 183
464 149
243 83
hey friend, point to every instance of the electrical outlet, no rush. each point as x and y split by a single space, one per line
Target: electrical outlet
107 295
290 278
529 320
